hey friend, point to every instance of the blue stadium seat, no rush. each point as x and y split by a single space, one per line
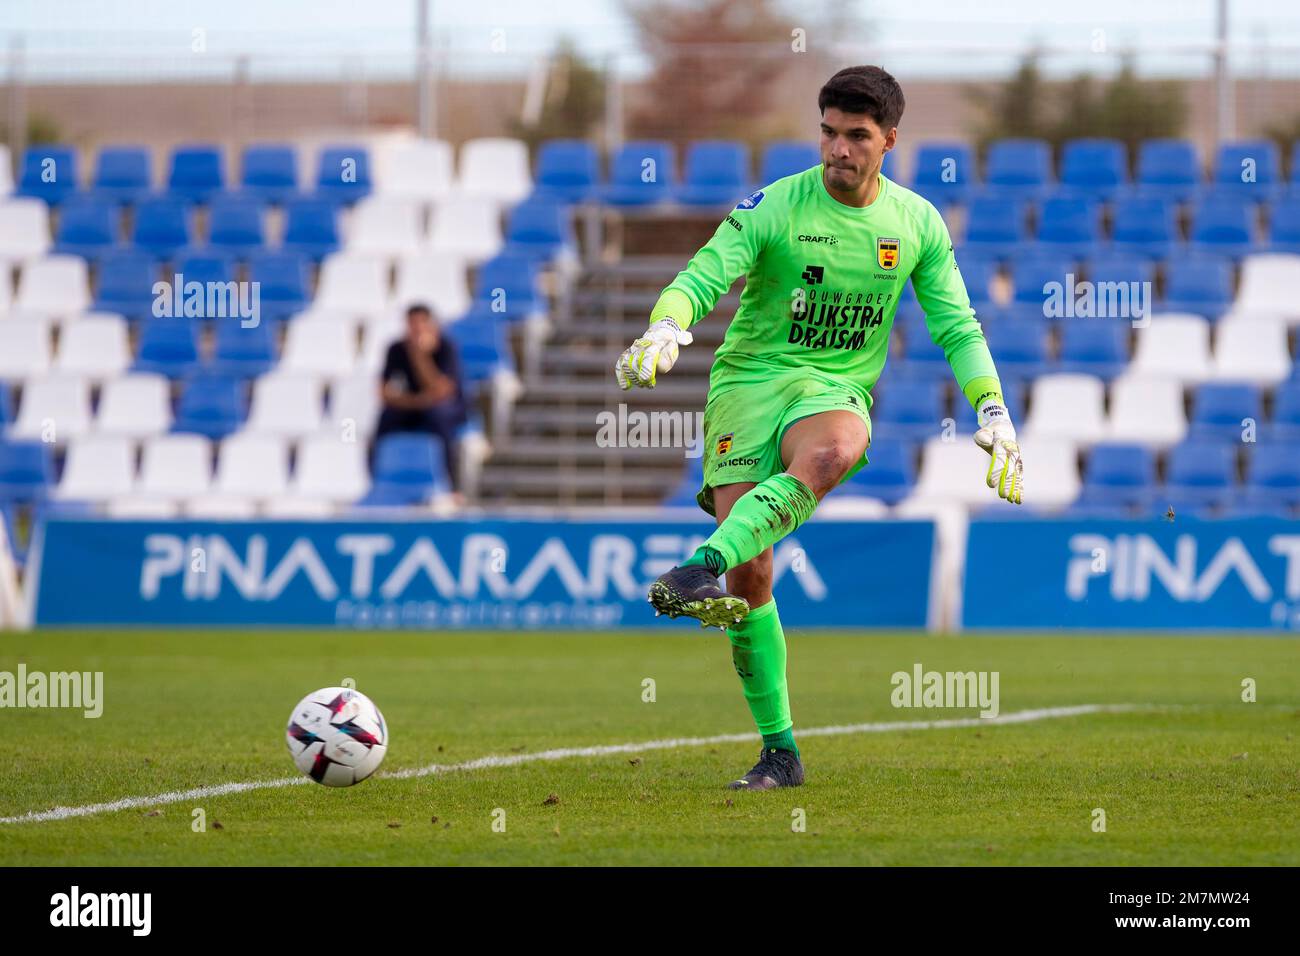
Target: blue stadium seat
641 174
49 173
1284 426
197 172
910 411
162 227
1145 226
1093 169
995 227
1168 168
978 275
1039 280
484 349
921 358
1096 347
87 227
282 283
1218 409
1018 345
269 173
508 285
1118 267
126 281
202 268
1273 476
1018 169
568 170
241 351
781 159
212 404
235 227
1198 284
1069 226
343 175
26 470
539 229
1223 225
717 173
1284 224
311 228
1200 475
168 346
890 473
945 172
1120 476
122 174
1248 169
407 470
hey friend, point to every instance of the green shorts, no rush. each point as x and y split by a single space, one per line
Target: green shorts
744 425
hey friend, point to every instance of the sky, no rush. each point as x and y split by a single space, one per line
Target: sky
147 38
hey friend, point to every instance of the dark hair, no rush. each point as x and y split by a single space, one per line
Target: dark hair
864 89
418 307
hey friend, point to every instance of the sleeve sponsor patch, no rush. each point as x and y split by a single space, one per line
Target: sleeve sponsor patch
751 202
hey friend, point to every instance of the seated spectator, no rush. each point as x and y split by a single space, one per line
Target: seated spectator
421 388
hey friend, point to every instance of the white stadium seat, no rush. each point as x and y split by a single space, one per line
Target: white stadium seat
24 348
1251 350
55 285
440 282
6 289
419 169
954 471
1051 473
174 467
98 468
294 507
252 466
1175 345
496 169
354 400
375 341
331 469
6 171
321 346
1067 407
95 345
24 229
466 228
352 285
1268 288
286 404
141 508
220 507
1146 410
385 226
55 409
138 405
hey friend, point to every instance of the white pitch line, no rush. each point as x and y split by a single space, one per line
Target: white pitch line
564 753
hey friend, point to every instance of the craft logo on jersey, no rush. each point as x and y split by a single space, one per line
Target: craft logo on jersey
750 202
724 443
887 253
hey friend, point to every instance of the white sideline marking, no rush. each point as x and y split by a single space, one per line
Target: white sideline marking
564 753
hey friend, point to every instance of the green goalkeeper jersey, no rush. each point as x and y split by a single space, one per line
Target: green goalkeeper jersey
822 286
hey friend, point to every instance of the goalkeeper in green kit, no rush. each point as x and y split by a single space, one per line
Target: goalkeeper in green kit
826 254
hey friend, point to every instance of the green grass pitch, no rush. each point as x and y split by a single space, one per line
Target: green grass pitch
1198 777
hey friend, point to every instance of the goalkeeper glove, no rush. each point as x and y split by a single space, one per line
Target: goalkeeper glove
656 351
997 436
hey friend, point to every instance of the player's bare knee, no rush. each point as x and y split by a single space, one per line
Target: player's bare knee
826 465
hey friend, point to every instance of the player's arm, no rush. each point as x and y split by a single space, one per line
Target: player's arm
953 327
733 250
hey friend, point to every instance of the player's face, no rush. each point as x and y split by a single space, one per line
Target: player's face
853 146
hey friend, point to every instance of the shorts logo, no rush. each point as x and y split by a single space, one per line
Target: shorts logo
724 443
751 202
887 253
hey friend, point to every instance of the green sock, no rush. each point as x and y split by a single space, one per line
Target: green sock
761 517
758 651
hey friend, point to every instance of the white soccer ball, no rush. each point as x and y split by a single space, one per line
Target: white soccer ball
337 736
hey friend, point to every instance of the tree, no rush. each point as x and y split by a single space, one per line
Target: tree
574 102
